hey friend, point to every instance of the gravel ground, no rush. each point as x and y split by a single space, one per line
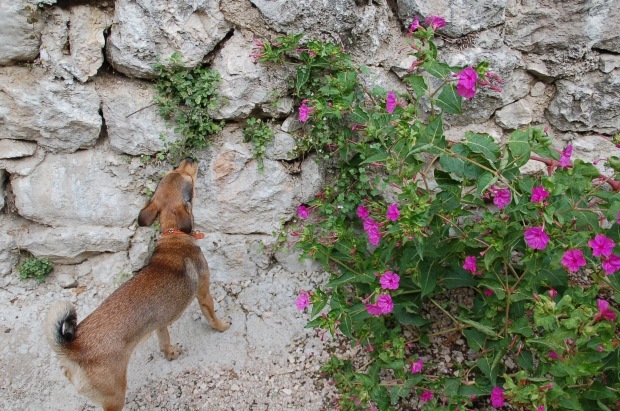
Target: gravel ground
265 361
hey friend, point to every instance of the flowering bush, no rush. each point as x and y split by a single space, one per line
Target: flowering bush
412 219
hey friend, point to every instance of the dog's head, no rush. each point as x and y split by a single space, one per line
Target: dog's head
172 200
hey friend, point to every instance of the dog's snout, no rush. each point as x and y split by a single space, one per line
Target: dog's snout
190 160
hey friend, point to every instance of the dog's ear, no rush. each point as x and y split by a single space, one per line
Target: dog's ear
148 214
183 215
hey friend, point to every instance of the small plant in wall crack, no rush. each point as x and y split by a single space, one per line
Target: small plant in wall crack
260 134
185 96
36 268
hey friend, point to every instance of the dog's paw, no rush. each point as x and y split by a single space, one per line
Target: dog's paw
222 326
172 352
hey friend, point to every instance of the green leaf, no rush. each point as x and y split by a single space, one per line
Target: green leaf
344 278
428 280
482 328
519 146
407 318
485 181
434 131
418 84
585 169
475 339
483 144
453 164
437 69
449 100
598 391
456 278
489 367
376 158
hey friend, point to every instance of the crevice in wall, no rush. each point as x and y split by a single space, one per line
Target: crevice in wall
208 59
9 196
66 4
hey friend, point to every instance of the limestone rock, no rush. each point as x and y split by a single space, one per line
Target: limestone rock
574 26
239 199
141 247
87 187
246 83
360 25
16 149
609 62
133 123
145 31
462 17
289 16
515 115
9 254
538 89
73 41
105 268
20 31
58 116
591 102
24 165
288 258
74 244
230 256
282 147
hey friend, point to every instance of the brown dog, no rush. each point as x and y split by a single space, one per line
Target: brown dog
94 354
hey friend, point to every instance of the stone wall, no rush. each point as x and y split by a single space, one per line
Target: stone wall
75 91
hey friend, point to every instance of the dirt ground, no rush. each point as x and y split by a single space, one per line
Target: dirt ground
265 361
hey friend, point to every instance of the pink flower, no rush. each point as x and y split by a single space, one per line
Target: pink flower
389 281
488 292
304 112
426 396
539 194
435 22
540 408
303 300
414 25
566 154
600 348
466 85
390 102
372 229
362 212
552 293
497 397
604 312
501 198
416 367
611 264
536 238
601 246
303 211
373 309
554 355
392 212
573 259
385 303
471 265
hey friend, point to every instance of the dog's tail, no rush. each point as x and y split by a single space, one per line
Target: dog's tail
60 326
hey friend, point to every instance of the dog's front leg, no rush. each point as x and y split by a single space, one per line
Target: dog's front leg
206 305
171 352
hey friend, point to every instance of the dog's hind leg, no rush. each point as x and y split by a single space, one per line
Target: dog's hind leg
206 305
171 352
